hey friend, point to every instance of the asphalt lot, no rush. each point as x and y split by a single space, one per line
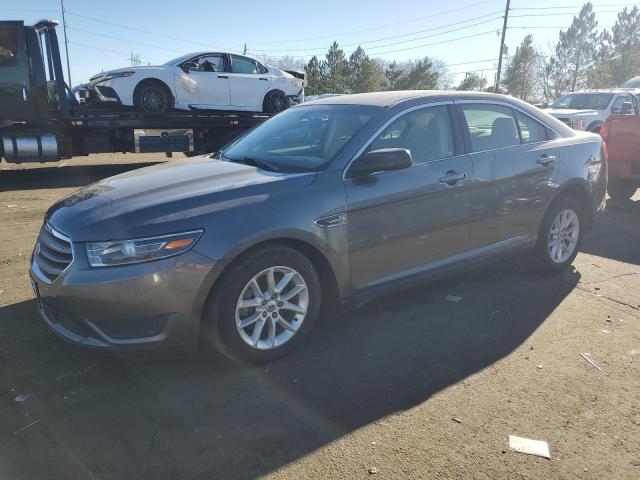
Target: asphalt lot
376 388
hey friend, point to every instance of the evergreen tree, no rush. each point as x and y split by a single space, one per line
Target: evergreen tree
335 70
315 83
472 81
393 75
419 75
365 75
520 76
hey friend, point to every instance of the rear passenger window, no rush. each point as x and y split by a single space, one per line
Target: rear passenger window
531 131
426 133
490 127
243 65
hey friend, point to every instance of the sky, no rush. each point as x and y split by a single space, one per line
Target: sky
464 34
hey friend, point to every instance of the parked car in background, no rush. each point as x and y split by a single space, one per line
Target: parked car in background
632 83
622 136
205 80
589 109
333 201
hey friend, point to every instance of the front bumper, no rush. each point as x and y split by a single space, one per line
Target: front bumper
149 304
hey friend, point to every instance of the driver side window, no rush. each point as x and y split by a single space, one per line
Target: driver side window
210 63
426 133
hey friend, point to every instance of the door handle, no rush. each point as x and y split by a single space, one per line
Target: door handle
452 177
222 76
546 160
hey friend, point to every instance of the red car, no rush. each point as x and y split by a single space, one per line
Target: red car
621 134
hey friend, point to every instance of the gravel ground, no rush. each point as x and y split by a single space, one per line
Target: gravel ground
410 386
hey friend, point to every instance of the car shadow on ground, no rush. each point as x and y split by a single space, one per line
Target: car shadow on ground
202 416
620 224
62 176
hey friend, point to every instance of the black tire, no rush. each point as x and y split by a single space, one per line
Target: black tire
621 190
275 102
152 97
221 311
541 256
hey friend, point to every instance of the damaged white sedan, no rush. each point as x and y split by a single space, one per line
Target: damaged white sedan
200 81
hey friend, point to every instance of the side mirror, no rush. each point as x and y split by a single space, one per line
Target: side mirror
627 108
187 66
383 160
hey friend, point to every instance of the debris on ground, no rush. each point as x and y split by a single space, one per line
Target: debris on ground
21 398
452 298
12 206
591 362
456 419
28 426
539 448
372 470
539 366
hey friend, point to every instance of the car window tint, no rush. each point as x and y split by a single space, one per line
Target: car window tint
426 133
243 65
618 105
262 69
531 131
490 127
210 63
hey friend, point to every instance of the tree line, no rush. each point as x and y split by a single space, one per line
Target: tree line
583 57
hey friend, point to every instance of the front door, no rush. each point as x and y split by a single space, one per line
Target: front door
205 86
15 93
515 162
404 222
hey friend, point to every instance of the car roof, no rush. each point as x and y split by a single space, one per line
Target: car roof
388 99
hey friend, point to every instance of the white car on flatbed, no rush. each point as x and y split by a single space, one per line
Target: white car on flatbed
587 110
199 81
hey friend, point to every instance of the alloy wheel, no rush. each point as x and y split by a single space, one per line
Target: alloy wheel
153 100
272 307
563 236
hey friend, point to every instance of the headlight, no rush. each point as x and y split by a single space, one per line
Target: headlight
111 76
122 252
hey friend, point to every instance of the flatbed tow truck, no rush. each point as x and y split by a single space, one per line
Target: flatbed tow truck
42 121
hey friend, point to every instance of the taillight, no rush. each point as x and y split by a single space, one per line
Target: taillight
604 130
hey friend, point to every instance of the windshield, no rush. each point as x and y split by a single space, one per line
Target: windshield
584 101
304 138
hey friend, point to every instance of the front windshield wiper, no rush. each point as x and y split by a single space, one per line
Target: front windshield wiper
254 162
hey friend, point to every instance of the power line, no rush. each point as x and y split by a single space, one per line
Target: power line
606 5
435 43
142 31
558 14
105 50
380 27
125 40
400 36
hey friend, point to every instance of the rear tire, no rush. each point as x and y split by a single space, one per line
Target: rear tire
274 319
621 190
560 236
275 102
152 97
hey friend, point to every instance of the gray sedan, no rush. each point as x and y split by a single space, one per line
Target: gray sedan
330 203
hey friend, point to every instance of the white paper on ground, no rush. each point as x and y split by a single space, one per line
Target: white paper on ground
528 446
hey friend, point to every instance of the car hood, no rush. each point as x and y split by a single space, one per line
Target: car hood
166 198
96 78
570 112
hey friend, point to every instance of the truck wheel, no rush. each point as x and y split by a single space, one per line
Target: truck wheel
266 305
275 102
152 97
559 237
621 190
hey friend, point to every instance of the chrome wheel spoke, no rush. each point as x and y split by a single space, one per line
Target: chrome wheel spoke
272 332
257 293
250 303
293 292
292 307
250 320
284 281
286 325
257 332
271 281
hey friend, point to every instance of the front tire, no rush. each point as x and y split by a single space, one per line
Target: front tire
266 305
152 97
560 236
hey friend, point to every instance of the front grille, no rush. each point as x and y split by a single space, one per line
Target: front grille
53 253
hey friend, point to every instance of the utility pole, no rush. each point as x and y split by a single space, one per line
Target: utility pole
245 49
504 31
66 42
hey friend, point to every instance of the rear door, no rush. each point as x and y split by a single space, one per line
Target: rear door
15 96
515 162
405 222
205 86
248 82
